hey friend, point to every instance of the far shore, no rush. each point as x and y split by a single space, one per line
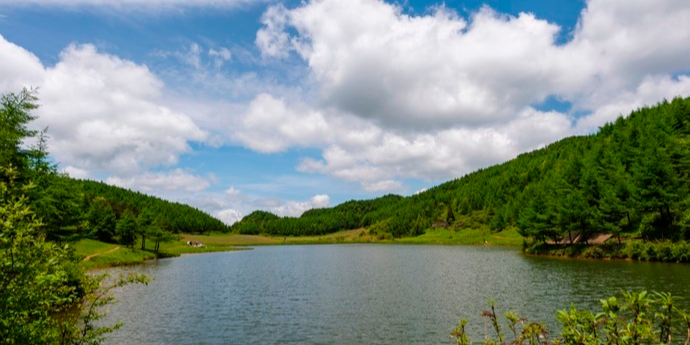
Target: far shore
96 254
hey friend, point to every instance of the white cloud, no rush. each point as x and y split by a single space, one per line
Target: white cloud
161 183
425 71
220 56
232 191
76 172
103 113
192 56
272 39
229 216
295 209
270 126
18 67
383 186
197 57
651 90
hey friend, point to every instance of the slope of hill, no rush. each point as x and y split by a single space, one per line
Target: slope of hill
629 178
175 217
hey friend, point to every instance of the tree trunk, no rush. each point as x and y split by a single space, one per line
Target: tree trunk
143 242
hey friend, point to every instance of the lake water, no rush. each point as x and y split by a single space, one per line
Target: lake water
362 294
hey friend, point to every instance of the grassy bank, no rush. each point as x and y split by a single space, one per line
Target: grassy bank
350 236
663 251
508 237
434 236
96 254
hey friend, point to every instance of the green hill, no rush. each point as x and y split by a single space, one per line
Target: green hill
73 209
177 217
629 178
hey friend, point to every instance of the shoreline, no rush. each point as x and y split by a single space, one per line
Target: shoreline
103 255
633 251
629 250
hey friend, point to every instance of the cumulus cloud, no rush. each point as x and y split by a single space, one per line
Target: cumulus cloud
272 39
18 67
160 183
271 126
410 71
295 208
103 113
76 172
440 69
229 216
438 95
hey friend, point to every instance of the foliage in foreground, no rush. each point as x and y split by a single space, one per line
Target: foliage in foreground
40 287
630 319
42 291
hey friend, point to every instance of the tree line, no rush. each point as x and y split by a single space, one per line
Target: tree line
630 178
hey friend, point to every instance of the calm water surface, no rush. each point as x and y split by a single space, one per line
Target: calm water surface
362 294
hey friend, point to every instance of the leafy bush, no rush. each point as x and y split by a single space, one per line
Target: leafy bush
632 318
594 252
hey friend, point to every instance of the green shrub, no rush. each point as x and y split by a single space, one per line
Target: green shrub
594 253
631 318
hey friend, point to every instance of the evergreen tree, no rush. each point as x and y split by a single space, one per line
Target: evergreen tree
101 220
127 229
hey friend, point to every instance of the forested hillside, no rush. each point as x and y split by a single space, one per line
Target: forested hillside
75 209
171 216
632 177
349 215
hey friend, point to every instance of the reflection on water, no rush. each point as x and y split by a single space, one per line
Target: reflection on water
362 294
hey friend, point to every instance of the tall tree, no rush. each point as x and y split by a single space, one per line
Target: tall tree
15 114
101 220
127 229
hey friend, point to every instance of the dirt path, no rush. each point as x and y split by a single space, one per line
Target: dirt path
89 257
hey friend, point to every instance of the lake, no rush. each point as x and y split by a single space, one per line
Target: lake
362 293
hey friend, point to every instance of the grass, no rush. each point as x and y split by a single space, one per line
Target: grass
107 255
349 236
177 248
96 254
508 237
99 254
433 236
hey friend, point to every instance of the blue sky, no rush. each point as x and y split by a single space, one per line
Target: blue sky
237 105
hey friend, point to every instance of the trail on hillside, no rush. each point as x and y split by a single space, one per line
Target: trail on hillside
89 257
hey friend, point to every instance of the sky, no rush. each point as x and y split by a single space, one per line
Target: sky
237 105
